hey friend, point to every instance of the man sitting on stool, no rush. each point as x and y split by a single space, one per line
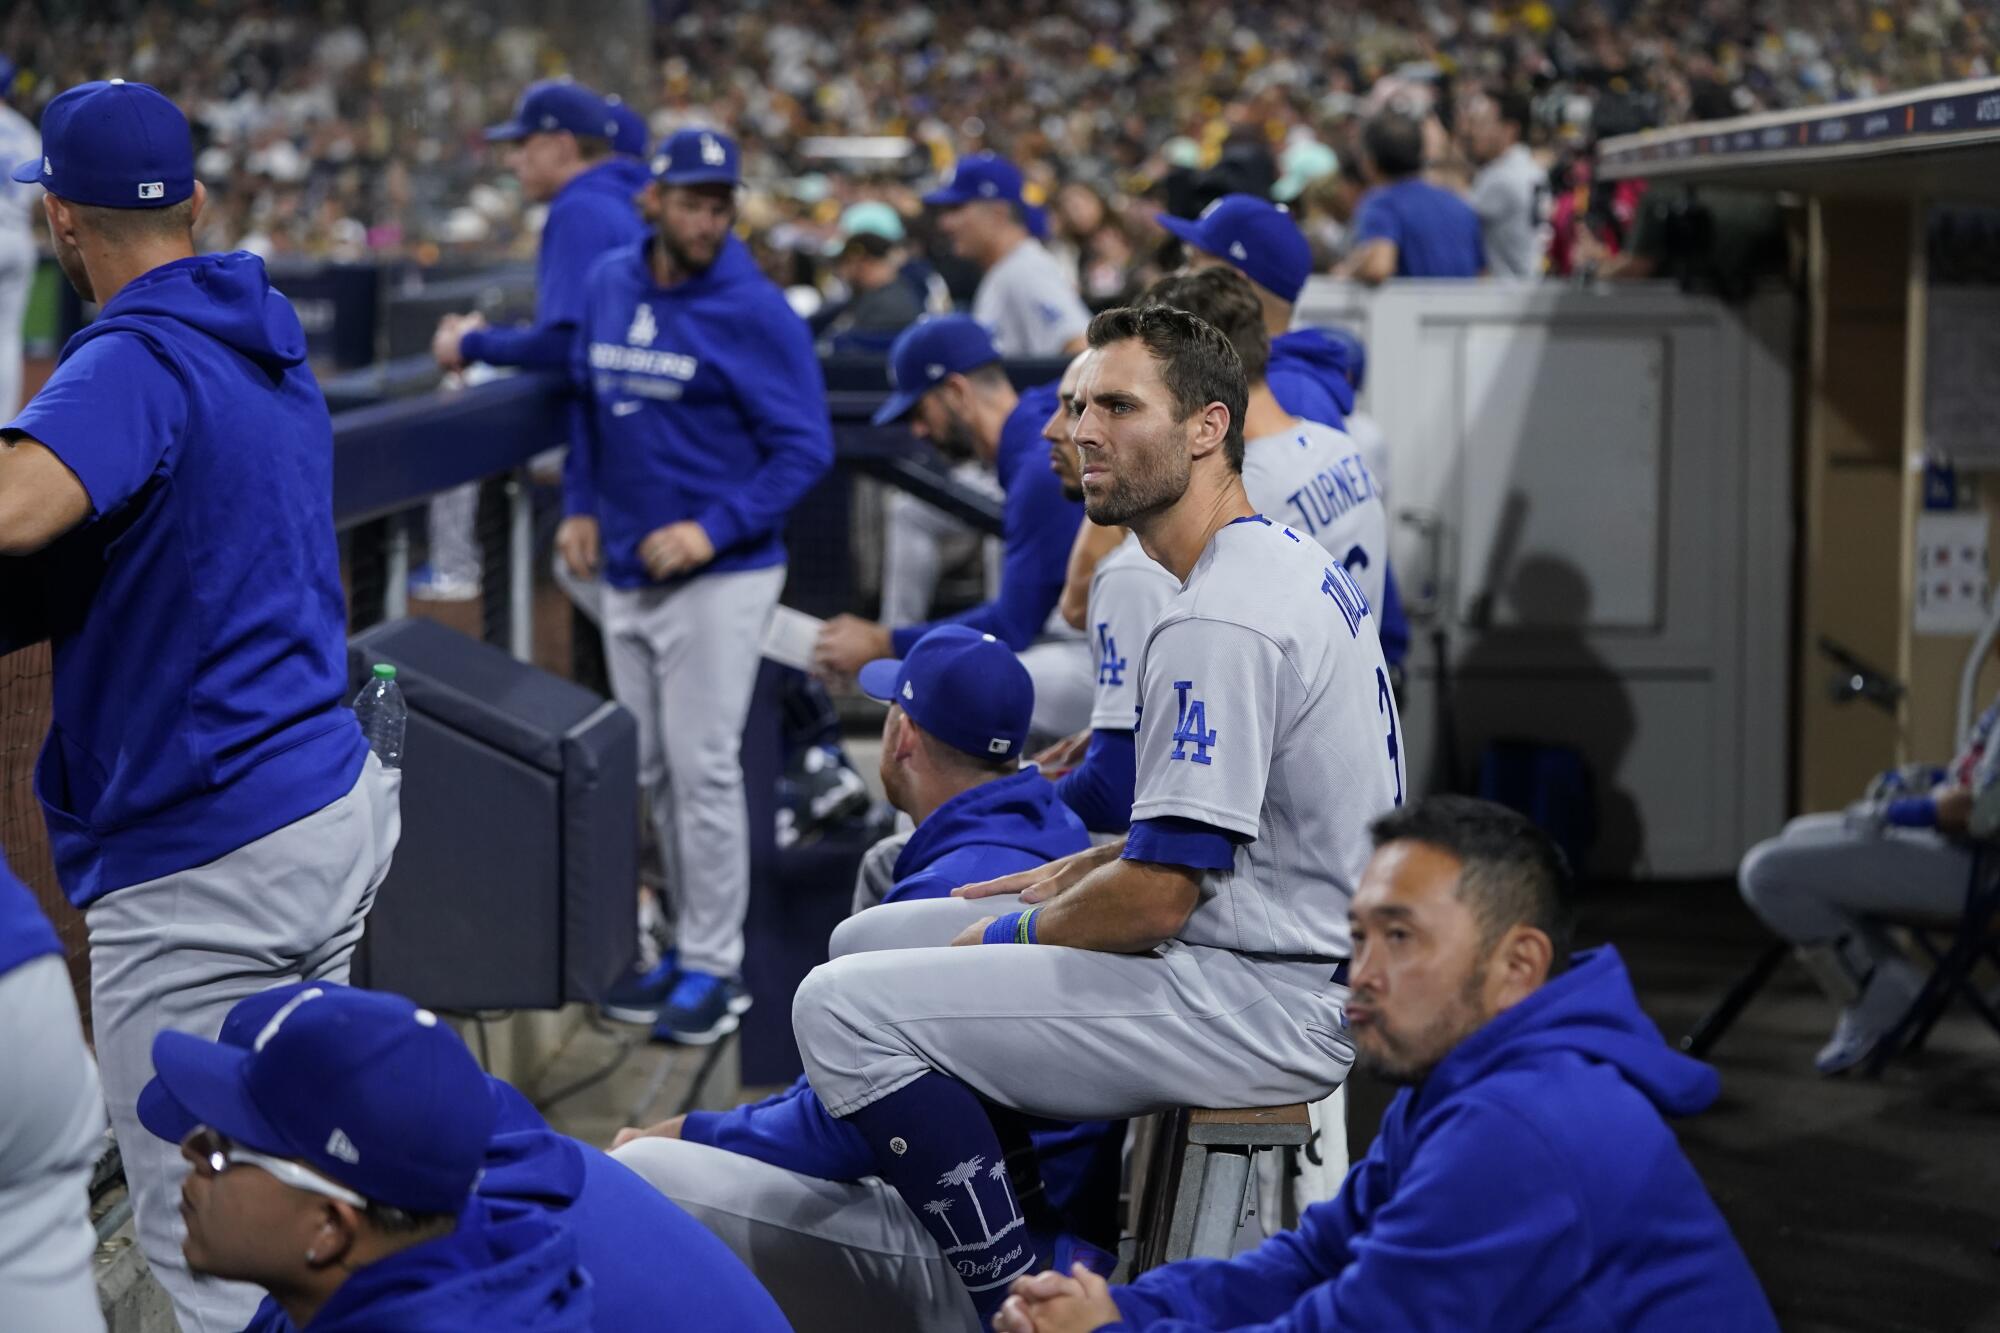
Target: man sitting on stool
784 1183
1900 849
1524 1176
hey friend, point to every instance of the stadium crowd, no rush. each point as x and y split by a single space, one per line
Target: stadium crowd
336 136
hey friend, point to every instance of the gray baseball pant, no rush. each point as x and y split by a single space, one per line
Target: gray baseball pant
1817 881
50 1135
684 660
1087 1035
179 951
827 1251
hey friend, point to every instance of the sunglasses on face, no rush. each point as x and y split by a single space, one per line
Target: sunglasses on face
215 1151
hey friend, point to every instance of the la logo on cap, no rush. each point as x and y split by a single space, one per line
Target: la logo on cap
711 151
908 693
934 370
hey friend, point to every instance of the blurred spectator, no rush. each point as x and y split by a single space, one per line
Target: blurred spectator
1407 227
322 133
1510 192
884 295
20 206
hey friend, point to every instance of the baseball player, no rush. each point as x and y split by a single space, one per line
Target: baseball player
530 1169
948 377
705 421
18 143
1128 591
1029 302
1308 371
787 1184
1304 472
212 805
334 1158
559 146
52 1131
1201 961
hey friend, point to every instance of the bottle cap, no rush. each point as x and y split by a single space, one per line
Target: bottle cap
383 671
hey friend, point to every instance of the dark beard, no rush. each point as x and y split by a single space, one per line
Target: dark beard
1407 1062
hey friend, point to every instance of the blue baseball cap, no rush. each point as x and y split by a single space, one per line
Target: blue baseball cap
632 134
1256 236
926 352
963 687
113 145
698 157
988 178
366 1088
554 106
167 1118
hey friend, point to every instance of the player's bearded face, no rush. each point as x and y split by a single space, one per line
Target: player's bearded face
1135 456
694 222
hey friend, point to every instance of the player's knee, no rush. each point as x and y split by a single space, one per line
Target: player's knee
820 1010
1763 877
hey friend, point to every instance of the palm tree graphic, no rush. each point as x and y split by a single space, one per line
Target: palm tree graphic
962 1174
997 1173
938 1208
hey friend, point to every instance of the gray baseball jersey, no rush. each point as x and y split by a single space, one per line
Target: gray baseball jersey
1314 478
1268 715
1029 301
1510 194
1127 593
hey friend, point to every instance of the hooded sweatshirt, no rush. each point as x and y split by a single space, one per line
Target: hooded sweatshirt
703 401
25 934
1528 1183
1310 376
493 1276
589 216
532 1170
199 626
993 829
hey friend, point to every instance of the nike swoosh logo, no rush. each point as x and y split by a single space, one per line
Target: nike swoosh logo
624 409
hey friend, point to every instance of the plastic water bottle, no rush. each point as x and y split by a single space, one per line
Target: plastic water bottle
383 715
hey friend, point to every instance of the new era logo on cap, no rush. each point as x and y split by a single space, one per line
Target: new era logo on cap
339 1145
934 371
1237 252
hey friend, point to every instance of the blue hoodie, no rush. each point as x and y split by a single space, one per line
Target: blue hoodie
681 1266
1529 1183
489 1275
703 401
993 829
25 934
199 626
1038 528
589 216
1310 376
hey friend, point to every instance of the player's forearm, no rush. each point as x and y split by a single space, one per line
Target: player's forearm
1122 907
538 347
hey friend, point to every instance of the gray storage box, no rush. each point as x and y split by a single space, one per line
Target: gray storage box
514 884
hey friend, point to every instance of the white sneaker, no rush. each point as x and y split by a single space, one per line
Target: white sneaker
1863 1024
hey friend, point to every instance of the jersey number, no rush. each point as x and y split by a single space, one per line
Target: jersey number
1385 704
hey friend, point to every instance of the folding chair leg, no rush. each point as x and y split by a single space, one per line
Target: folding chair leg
1720 1019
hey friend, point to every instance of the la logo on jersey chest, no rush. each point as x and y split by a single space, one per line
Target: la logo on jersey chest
644 328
